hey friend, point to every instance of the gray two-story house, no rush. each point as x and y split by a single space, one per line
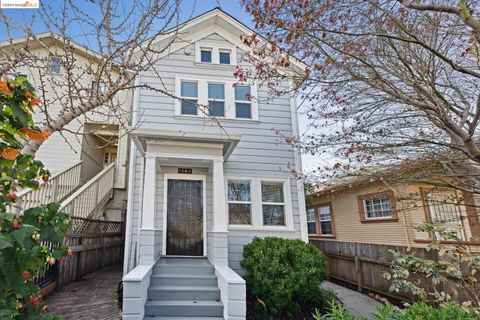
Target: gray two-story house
200 189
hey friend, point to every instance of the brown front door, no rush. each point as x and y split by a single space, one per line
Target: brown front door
184 217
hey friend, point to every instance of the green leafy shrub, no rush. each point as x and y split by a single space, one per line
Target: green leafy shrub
23 237
285 275
416 311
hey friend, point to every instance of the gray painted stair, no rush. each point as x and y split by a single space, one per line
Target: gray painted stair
183 289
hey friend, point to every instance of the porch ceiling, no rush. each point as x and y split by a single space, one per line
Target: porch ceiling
142 137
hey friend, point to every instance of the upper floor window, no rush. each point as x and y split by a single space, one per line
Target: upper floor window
243 104
102 86
54 65
239 202
377 206
273 204
209 54
224 56
206 55
216 99
189 95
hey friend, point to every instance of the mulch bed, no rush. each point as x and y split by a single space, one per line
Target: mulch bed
255 311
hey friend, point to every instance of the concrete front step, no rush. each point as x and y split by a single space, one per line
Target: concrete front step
165 279
183 293
183 269
184 308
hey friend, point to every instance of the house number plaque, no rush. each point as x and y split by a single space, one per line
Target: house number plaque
185 170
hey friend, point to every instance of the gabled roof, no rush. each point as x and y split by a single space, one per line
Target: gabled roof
228 27
40 40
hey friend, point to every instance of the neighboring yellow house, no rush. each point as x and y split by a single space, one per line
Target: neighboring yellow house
372 210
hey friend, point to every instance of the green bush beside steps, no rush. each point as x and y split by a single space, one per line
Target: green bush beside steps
284 276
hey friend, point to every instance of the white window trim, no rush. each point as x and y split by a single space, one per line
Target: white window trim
215 53
241 202
224 100
202 88
376 218
178 93
275 203
256 206
204 48
229 51
244 102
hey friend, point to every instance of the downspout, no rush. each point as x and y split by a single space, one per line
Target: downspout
298 165
130 192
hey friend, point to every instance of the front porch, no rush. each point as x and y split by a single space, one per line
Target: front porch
183 216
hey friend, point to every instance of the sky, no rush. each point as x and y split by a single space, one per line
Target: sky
189 8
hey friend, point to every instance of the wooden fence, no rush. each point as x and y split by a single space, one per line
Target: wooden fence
95 244
360 265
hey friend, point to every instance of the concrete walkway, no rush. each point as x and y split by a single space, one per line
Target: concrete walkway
93 297
353 301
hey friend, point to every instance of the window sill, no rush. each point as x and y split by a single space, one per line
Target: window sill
212 65
379 220
265 228
223 119
321 236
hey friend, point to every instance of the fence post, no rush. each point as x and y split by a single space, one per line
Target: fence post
358 268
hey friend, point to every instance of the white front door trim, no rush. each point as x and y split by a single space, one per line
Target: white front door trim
176 176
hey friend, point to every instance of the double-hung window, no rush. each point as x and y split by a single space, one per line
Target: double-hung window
273 204
206 55
325 219
311 221
216 99
239 202
243 104
189 95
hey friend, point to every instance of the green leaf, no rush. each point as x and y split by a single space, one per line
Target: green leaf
5 242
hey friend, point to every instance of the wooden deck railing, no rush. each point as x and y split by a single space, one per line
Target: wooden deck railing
84 202
54 190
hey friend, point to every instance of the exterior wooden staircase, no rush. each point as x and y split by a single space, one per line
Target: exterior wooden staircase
183 289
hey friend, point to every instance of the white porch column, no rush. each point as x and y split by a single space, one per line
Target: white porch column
149 186
219 205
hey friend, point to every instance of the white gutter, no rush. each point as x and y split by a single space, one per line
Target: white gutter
130 192
298 165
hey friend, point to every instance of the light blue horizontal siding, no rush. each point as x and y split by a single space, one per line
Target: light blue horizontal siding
261 152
